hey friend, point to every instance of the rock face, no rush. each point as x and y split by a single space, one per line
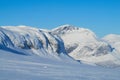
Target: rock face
79 43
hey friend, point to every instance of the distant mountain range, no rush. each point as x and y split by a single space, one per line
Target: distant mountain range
75 43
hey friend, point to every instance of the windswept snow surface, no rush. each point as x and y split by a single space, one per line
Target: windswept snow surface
24 67
28 53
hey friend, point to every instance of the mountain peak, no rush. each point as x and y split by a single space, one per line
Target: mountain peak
70 29
66 27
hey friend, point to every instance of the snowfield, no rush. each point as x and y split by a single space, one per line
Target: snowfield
24 67
64 53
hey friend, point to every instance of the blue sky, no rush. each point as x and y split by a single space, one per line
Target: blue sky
101 16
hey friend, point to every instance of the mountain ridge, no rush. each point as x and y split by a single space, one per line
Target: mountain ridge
78 43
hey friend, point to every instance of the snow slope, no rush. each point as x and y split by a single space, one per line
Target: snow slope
114 41
26 67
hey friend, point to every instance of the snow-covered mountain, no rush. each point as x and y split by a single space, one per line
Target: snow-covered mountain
77 43
82 44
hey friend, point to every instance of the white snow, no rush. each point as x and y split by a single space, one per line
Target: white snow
22 67
30 38
114 40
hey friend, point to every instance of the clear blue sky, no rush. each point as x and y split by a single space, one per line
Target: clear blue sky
101 16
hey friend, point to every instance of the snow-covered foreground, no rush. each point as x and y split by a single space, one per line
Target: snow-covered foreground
32 67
